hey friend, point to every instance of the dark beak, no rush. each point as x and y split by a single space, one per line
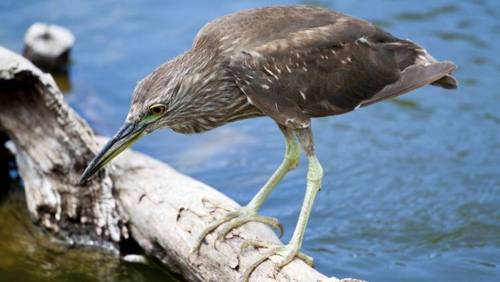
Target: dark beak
128 134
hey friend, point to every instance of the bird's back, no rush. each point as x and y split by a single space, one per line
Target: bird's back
298 62
250 28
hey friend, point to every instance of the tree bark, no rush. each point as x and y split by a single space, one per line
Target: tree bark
137 196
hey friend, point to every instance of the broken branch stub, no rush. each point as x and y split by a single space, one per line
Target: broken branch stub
48 46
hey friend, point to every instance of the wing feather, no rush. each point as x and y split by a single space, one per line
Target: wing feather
412 78
294 63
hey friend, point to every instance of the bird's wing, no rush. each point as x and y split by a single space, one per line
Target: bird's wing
416 76
295 66
265 92
307 72
250 28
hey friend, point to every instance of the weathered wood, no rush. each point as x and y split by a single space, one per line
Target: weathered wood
138 196
48 46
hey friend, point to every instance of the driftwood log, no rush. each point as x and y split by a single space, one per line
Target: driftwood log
138 197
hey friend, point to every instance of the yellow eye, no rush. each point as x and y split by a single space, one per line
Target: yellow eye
157 109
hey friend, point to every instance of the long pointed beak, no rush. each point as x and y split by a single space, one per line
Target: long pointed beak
128 134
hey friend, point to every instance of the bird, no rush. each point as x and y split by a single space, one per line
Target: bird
288 63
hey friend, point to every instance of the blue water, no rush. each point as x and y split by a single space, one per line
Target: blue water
412 186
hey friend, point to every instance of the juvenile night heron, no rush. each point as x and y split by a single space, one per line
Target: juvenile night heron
289 63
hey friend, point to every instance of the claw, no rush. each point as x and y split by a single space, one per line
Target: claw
287 254
253 266
211 227
273 222
307 259
234 219
235 223
282 230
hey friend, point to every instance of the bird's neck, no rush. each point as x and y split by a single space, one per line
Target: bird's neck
208 96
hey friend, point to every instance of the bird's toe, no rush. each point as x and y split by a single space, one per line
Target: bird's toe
233 220
249 217
286 255
211 227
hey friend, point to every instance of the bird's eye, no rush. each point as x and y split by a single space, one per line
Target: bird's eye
157 109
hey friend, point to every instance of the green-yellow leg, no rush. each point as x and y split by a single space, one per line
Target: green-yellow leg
288 252
249 212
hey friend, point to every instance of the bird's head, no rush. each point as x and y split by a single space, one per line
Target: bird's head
176 96
152 107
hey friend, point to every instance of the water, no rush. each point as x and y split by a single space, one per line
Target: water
412 186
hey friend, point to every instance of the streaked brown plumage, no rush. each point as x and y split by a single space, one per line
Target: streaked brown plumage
289 63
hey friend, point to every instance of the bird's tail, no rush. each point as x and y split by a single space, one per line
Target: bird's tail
418 68
424 58
415 76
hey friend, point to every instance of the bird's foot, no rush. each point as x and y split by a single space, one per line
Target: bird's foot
235 219
286 253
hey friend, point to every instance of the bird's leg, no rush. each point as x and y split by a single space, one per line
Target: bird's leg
291 160
249 212
288 252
